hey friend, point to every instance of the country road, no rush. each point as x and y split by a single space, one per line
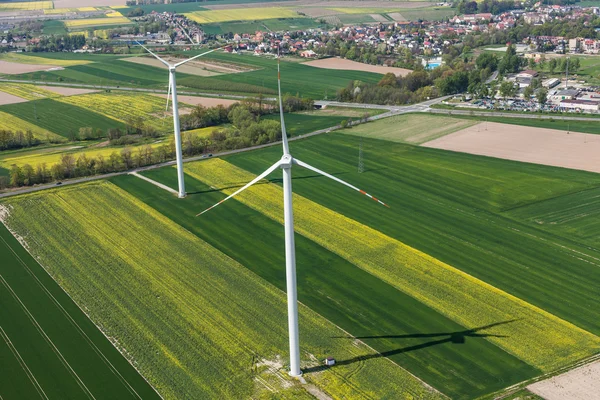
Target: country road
476 113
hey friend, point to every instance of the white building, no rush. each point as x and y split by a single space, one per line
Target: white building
580 105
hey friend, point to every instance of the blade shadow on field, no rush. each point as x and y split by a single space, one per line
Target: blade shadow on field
458 337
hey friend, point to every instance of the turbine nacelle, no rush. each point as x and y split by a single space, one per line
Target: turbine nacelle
286 161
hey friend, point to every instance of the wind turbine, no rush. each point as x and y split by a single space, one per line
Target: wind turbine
285 163
173 91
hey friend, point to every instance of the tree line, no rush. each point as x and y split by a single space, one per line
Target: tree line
243 127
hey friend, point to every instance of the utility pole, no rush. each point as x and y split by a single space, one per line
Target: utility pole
361 165
567 74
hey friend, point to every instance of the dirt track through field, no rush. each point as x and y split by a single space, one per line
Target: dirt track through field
527 144
582 383
349 65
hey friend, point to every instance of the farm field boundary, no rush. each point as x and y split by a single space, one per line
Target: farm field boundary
526 144
437 288
145 304
56 350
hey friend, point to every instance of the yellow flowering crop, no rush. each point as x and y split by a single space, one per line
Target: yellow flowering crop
78 23
188 317
27 59
12 123
26 5
28 92
535 336
114 14
121 106
241 14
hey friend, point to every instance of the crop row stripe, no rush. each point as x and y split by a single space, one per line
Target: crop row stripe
534 335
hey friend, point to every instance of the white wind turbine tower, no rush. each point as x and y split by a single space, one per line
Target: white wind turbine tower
286 163
173 91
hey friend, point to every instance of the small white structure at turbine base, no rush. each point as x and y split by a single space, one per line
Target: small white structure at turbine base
176 127
286 163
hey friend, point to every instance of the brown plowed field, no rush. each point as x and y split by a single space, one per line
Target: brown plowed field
527 144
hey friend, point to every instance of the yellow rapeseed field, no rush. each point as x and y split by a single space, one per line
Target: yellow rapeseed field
122 106
114 14
26 5
534 335
12 123
78 23
241 14
51 157
27 59
190 318
28 92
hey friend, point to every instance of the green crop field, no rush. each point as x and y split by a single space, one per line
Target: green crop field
48 346
59 118
591 126
54 27
300 124
194 330
276 24
458 282
294 77
411 128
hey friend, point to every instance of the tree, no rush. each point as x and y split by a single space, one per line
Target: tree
528 92
532 63
507 89
16 176
542 96
487 60
388 79
552 65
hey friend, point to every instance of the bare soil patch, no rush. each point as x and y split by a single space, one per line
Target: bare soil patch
12 68
582 383
315 12
343 64
527 144
6 98
190 68
397 17
196 67
379 18
204 101
67 91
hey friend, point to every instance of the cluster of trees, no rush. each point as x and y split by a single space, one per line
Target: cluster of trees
59 43
486 6
244 127
10 140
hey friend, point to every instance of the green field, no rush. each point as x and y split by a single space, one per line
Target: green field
48 346
591 126
276 24
301 124
458 282
294 77
59 118
194 330
54 27
410 128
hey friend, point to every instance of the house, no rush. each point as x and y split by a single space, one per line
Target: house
567 94
527 74
329 361
308 54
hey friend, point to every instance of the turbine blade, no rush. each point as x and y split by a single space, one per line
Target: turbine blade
184 31
148 50
169 92
252 182
286 148
193 58
307 166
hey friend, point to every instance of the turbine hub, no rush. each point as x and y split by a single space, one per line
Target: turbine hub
286 161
